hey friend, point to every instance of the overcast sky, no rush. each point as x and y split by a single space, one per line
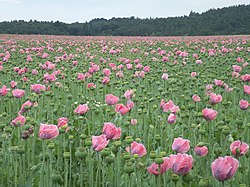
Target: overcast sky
84 10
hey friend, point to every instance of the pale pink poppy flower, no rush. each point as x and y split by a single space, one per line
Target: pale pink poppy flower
201 150
106 72
237 68
209 114
181 164
245 78
99 142
146 69
111 99
224 168
154 168
246 89
18 121
239 148
215 98
164 76
62 122
244 104
196 98
181 145
18 93
81 109
218 82
37 88
193 74
122 109
129 94
25 106
111 131
4 90
48 132
105 80
91 85
13 84
198 61
235 74
172 118
133 121
137 148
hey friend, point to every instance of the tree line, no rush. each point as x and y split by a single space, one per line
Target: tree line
225 21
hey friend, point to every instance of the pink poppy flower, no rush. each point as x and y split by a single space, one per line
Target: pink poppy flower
120 108
146 69
17 93
154 168
181 145
164 76
18 121
172 118
91 85
99 142
224 168
218 82
246 89
244 104
111 99
34 72
48 132
26 106
137 148
214 98
201 150
237 68
235 75
169 106
133 121
129 94
13 84
196 98
105 80
106 72
245 78
130 104
193 74
239 148
4 90
62 122
111 131
209 114
81 109
37 88
181 163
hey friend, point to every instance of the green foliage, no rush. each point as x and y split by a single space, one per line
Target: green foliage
226 21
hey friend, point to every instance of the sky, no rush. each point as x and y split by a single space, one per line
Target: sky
70 11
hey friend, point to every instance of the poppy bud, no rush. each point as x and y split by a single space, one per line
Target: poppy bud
203 183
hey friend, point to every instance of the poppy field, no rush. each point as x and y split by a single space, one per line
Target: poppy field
124 111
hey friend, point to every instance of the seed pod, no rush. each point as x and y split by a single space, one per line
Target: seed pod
159 160
66 155
56 178
129 168
203 183
188 178
80 154
175 178
51 145
20 150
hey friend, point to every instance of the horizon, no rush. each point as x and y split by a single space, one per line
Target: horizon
26 10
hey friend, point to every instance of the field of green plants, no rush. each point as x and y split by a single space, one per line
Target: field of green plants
124 111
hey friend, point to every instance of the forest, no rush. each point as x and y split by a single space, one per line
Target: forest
234 20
